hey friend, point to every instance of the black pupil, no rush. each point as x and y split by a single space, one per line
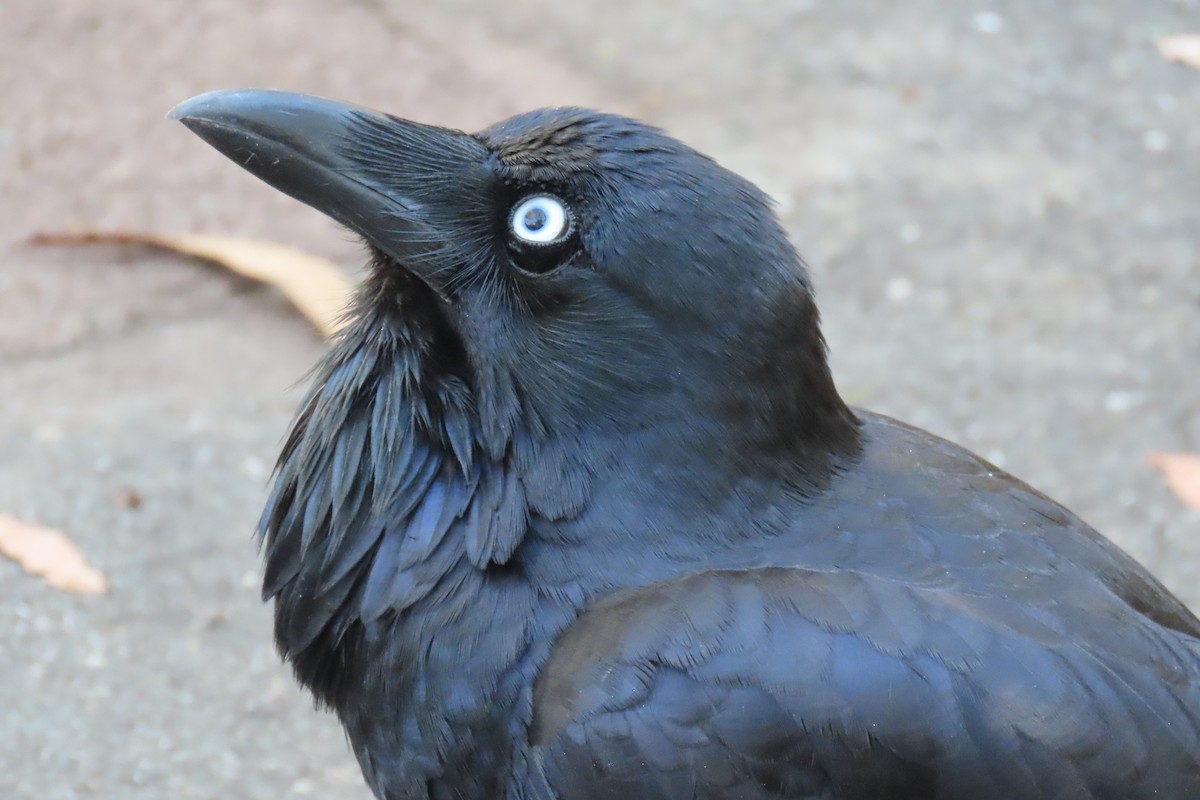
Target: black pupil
536 219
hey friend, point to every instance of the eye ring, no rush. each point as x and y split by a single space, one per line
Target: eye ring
540 219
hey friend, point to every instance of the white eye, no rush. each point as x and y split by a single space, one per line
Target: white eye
541 219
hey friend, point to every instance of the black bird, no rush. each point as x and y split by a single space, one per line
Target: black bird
573 509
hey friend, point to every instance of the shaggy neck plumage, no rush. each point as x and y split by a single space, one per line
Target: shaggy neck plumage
383 495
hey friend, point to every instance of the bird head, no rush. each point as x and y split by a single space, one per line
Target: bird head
583 268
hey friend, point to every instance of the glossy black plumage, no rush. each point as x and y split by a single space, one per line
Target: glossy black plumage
589 519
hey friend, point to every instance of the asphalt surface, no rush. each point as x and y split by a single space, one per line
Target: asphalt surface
1000 204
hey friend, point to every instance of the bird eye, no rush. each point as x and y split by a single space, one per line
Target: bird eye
541 219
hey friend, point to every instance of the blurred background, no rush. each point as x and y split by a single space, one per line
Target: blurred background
1000 203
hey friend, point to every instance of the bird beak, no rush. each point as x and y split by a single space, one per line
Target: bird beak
397 183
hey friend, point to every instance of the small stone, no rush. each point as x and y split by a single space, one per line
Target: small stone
95 659
1117 402
1155 141
47 434
898 289
988 22
254 467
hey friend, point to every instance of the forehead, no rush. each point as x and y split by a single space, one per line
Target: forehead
561 142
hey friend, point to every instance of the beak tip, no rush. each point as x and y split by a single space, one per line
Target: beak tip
179 112
194 106
214 104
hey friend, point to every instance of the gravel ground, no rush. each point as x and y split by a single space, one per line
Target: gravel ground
1000 204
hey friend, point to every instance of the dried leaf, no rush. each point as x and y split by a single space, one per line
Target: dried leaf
315 286
1183 48
47 552
1181 471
